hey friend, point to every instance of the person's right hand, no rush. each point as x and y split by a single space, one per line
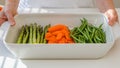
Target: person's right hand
7 14
9 11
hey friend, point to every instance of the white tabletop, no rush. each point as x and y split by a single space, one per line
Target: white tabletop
110 60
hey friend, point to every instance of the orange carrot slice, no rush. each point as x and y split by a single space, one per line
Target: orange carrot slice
57 28
63 40
59 36
56 32
47 35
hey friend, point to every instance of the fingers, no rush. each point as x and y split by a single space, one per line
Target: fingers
112 16
112 20
10 18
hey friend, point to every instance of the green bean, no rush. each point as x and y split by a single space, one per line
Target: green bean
100 27
83 33
74 30
93 33
88 33
84 24
88 28
74 38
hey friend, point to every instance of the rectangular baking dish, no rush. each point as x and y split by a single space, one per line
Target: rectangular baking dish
59 51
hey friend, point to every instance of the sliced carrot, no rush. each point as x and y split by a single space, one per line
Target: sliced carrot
67 36
56 32
59 36
65 31
51 42
70 41
63 40
52 38
57 28
47 35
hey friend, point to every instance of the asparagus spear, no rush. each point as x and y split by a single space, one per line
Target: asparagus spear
41 30
34 32
25 38
41 34
46 28
21 35
45 31
38 33
31 33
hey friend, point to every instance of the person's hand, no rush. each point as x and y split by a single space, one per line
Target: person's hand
9 11
7 14
112 16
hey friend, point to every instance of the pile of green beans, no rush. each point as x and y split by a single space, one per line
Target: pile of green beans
32 34
88 33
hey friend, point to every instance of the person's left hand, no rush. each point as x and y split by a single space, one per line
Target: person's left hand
112 16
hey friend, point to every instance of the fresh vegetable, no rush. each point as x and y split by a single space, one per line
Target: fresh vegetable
20 38
57 28
25 37
45 31
88 33
38 34
33 34
58 34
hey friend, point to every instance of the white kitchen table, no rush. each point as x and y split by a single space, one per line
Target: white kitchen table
110 60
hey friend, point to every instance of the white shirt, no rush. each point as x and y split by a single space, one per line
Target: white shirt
57 3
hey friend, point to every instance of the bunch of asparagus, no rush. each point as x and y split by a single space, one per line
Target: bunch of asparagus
32 34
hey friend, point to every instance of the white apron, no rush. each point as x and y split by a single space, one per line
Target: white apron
56 3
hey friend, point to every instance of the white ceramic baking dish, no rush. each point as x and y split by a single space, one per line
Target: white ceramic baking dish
56 51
